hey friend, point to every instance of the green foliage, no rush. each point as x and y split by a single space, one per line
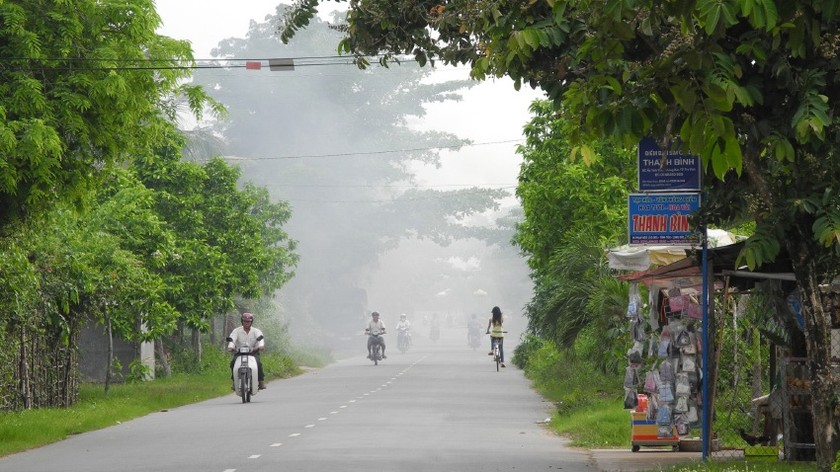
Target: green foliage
526 350
226 241
585 398
716 75
64 120
745 350
138 372
573 210
90 238
561 196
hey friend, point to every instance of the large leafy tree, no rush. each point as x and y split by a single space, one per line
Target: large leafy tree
83 85
573 211
751 86
319 137
228 241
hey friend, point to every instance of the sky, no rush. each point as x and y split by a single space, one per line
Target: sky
492 112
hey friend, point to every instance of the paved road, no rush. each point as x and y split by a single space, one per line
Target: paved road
439 407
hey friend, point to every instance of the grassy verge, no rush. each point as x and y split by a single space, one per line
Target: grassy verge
590 409
95 409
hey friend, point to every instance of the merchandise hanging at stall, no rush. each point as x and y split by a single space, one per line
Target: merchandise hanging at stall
664 373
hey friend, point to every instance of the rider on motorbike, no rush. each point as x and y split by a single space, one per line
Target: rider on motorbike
473 329
404 328
247 335
375 329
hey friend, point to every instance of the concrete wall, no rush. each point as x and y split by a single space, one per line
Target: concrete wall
93 354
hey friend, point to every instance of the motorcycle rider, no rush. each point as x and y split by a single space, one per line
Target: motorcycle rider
375 327
473 328
248 335
404 327
434 330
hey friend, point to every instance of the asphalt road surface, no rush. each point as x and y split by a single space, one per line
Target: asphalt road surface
439 407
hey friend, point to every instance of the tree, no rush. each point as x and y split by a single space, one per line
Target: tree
750 86
84 85
338 145
573 212
227 242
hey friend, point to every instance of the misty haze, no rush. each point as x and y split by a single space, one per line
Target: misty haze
341 145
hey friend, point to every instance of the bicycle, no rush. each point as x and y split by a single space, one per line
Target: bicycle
497 355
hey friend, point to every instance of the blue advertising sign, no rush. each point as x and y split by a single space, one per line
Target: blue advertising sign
679 172
662 218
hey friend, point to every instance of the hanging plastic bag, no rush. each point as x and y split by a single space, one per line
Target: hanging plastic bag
666 395
663 416
634 305
666 372
691 347
681 425
630 399
634 354
681 404
695 311
652 381
688 363
637 329
683 338
631 377
691 415
664 343
683 387
653 407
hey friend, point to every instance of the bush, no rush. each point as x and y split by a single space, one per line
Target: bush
569 380
525 350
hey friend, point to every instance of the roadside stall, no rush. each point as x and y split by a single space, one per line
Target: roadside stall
665 369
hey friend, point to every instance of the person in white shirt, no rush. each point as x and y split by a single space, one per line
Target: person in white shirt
247 335
375 329
404 327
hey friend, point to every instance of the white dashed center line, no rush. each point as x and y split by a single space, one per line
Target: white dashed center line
294 435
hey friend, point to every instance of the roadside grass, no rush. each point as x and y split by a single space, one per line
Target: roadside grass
29 429
590 410
741 466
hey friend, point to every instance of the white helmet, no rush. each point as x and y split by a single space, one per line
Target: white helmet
402 317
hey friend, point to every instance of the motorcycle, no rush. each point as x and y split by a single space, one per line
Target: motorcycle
403 340
434 332
474 339
245 369
376 348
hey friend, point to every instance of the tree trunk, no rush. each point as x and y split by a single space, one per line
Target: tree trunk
196 343
110 364
757 387
25 386
213 336
817 330
163 358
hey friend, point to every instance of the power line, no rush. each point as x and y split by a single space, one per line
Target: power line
345 154
255 63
